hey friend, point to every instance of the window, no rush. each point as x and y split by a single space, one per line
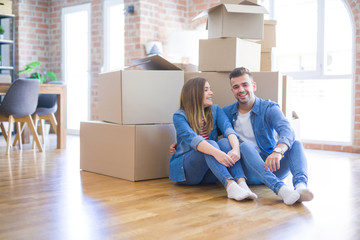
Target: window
114 34
315 48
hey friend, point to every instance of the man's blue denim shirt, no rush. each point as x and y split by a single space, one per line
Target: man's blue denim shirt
268 122
187 139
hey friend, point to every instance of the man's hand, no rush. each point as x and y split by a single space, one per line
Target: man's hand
172 148
272 162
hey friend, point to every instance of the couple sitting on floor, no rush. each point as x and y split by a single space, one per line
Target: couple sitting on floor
267 150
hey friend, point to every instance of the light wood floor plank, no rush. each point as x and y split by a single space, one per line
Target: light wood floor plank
46 196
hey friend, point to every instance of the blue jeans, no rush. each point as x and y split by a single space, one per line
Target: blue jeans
201 168
294 161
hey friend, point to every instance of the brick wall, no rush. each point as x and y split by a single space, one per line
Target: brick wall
38 37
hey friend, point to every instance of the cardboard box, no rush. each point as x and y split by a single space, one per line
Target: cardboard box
269 40
5 7
225 54
269 86
219 83
141 96
247 16
187 67
131 152
258 2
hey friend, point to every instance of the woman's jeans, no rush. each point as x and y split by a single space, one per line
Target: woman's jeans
294 161
201 168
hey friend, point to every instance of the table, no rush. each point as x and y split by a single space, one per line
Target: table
60 91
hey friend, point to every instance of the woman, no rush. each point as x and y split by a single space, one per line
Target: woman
199 159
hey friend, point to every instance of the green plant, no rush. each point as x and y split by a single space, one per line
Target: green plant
34 69
2 30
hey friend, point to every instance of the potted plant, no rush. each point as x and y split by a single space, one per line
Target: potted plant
34 69
2 31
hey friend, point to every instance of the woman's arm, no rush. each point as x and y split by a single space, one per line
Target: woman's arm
219 155
234 153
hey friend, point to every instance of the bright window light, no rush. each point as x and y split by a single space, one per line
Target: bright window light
315 48
114 35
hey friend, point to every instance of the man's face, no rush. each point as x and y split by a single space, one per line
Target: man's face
243 89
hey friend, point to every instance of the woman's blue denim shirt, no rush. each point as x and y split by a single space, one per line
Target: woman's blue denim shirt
187 139
268 122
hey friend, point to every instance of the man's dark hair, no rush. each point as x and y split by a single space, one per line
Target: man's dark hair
237 72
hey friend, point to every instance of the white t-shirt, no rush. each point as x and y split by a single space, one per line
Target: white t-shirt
244 128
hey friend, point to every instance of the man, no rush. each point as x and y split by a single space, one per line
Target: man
269 150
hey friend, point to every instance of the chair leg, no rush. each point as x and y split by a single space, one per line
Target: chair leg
53 122
3 131
18 135
8 141
42 124
30 123
36 120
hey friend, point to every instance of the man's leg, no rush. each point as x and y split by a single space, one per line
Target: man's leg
253 161
295 161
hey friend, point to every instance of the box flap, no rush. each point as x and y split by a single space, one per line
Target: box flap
245 2
250 2
201 15
240 8
155 62
244 7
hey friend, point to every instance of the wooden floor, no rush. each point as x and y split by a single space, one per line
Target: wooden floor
46 196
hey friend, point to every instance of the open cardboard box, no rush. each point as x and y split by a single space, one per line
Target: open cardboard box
243 20
149 96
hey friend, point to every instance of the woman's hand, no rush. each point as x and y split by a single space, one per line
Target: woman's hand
234 154
224 159
172 148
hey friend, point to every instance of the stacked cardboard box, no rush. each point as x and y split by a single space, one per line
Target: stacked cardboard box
135 108
268 45
240 37
232 30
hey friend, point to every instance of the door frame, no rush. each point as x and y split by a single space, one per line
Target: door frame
64 11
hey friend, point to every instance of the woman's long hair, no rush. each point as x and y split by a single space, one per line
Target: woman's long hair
191 101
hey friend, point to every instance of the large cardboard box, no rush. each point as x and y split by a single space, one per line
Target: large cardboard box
244 20
225 54
269 40
5 7
131 152
269 86
141 96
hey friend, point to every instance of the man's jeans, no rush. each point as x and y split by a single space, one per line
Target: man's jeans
201 168
294 161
